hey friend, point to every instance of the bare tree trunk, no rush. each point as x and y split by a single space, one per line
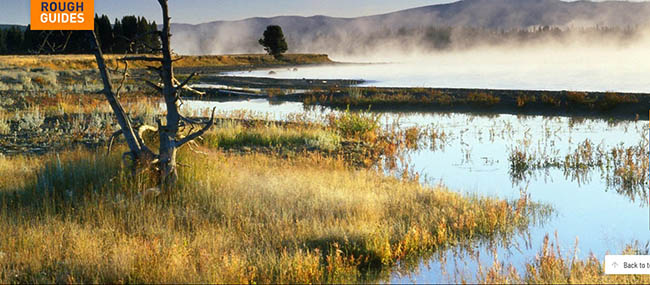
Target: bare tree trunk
122 119
169 132
170 140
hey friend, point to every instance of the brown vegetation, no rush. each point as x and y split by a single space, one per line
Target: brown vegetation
76 62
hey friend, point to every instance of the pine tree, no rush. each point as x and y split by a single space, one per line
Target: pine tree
14 40
129 31
104 32
154 41
119 44
31 41
3 42
273 41
143 38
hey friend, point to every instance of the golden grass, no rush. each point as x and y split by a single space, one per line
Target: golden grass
68 62
550 267
482 98
232 134
76 217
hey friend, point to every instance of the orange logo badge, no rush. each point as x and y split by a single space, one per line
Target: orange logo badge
62 15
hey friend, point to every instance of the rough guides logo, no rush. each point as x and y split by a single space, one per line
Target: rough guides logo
62 15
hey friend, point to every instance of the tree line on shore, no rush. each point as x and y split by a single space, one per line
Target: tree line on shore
131 34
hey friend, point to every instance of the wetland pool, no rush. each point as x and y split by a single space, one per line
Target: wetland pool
472 155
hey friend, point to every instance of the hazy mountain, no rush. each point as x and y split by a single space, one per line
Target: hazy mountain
429 25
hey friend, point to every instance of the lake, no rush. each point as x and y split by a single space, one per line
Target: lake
616 69
473 158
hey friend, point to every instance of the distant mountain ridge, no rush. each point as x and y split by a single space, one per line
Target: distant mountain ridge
315 33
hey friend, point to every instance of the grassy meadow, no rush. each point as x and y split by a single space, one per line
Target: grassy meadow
76 216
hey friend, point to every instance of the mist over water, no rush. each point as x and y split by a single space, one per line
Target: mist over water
497 44
552 67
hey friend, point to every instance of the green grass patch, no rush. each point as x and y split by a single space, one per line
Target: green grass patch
232 134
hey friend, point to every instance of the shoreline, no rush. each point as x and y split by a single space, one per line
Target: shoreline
343 94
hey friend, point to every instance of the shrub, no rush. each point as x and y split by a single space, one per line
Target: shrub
324 141
551 100
577 98
355 93
5 127
523 100
358 125
31 120
612 100
274 92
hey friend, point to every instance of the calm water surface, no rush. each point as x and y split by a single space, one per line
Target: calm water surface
474 159
620 69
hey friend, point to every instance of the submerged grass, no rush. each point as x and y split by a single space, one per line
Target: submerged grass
77 217
550 267
624 168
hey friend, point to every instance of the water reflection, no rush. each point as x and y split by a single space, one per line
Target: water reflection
591 171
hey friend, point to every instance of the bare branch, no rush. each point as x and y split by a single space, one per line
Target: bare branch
113 137
192 90
190 121
199 133
140 134
145 128
153 85
120 114
45 41
119 89
141 58
193 145
187 88
117 65
187 80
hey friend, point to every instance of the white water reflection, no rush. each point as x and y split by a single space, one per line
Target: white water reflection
259 108
474 159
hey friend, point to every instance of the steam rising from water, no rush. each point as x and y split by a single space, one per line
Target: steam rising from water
513 51
550 67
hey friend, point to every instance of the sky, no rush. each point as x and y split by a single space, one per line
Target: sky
201 11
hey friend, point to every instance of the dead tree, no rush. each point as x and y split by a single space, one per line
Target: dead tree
164 162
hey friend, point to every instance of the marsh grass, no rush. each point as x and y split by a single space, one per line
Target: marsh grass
355 137
523 100
578 98
234 134
624 168
77 217
360 125
482 98
5 124
551 267
613 100
423 98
